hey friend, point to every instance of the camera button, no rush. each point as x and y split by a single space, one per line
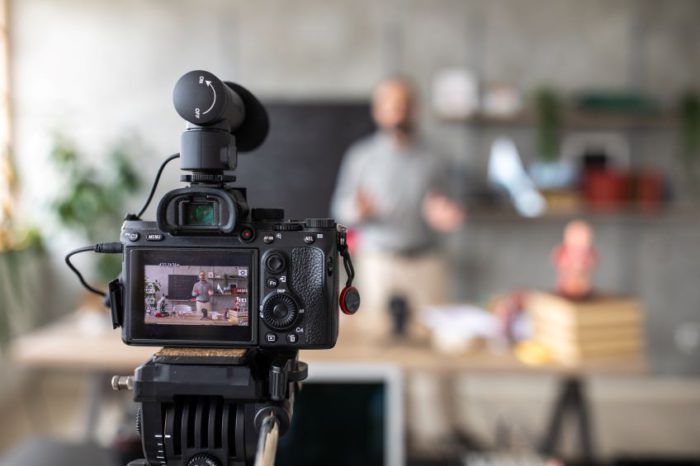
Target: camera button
247 234
292 338
133 236
272 283
309 239
268 239
271 337
154 237
275 263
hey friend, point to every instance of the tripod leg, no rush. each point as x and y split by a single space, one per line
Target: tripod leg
267 441
565 397
580 403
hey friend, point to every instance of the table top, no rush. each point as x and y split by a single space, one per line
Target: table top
81 342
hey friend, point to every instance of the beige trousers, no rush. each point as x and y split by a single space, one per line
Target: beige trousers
202 306
422 280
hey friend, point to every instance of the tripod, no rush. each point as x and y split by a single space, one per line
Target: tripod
213 407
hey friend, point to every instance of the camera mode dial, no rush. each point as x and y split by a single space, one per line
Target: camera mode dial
280 311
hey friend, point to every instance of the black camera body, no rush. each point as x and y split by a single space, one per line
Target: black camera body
249 286
284 279
211 272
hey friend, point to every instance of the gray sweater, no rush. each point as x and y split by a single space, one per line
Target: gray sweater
397 180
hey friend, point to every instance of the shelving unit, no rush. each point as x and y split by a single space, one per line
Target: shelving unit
580 120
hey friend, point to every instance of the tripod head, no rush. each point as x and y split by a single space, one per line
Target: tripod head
207 407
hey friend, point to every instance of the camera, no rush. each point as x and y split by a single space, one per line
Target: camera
232 293
213 272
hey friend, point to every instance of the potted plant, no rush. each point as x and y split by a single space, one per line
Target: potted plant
93 202
22 264
549 172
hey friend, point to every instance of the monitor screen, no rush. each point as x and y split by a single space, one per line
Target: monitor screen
336 423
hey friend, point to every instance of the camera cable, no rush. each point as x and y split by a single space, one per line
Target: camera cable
116 248
153 188
101 248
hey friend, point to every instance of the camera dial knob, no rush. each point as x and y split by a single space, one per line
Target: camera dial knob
288 227
203 460
280 311
320 222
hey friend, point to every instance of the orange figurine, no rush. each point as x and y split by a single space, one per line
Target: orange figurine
575 260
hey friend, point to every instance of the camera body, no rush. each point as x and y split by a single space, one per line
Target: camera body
210 271
267 282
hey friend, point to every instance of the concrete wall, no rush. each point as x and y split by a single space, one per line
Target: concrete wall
101 71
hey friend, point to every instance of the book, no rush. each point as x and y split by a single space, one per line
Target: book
602 327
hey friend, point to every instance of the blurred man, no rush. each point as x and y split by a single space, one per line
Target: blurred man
202 292
390 191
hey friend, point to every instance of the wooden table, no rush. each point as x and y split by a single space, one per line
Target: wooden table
64 346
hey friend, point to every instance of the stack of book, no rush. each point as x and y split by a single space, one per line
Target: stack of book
595 329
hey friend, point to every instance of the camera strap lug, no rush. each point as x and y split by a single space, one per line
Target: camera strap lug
350 297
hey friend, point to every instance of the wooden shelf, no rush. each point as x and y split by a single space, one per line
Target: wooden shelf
580 120
665 214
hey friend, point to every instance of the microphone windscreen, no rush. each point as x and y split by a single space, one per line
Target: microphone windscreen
253 131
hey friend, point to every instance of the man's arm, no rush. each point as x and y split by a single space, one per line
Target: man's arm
195 290
350 205
440 211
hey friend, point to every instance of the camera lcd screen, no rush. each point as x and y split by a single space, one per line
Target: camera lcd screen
191 296
200 294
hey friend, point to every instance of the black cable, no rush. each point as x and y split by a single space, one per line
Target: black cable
155 185
104 248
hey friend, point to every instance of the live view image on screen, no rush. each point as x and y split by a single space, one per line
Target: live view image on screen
196 295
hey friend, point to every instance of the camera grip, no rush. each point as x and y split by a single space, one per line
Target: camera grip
309 284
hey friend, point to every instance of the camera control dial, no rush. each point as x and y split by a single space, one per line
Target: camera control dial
320 222
288 227
203 460
280 311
